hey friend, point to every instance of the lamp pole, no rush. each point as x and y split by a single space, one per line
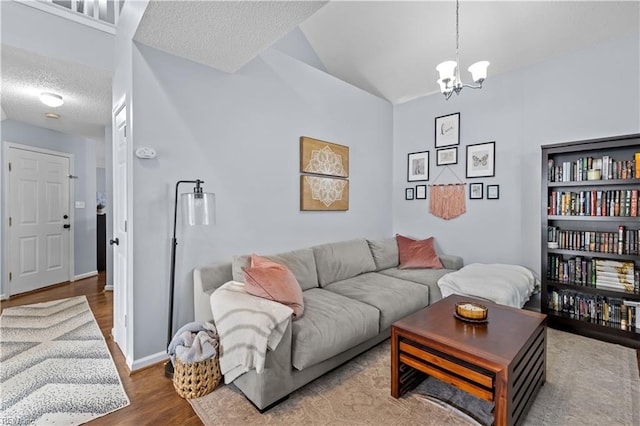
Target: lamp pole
168 367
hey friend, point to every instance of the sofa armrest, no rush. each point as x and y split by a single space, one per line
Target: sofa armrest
450 261
205 281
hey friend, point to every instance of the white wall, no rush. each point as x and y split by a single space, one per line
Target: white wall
568 98
23 27
240 134
83 151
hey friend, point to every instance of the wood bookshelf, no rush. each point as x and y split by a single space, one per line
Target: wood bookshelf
565 285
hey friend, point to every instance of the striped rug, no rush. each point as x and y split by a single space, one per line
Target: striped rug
55 367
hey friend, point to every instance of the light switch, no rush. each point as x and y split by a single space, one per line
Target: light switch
79 204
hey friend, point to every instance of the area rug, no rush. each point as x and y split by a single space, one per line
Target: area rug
55 365
588 383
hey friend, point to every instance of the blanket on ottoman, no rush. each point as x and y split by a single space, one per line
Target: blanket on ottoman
510 285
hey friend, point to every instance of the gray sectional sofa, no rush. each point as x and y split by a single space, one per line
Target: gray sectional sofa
353 291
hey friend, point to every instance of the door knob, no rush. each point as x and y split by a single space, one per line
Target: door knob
66 226
115 241
65 216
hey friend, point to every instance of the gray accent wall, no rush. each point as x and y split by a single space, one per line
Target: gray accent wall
83 150
240 134
587 94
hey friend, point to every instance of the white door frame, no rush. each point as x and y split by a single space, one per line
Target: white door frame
127 344
5 289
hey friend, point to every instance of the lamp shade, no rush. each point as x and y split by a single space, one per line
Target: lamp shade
198 208
447 70
479 70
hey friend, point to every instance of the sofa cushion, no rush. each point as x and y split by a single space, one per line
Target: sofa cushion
300 262
394 298
270 280
331 324
417 253
342 260
384 252
427 277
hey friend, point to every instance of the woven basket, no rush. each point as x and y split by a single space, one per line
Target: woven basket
196 379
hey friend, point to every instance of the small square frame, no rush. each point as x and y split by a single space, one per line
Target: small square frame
418 166
421 192
493 192
408 194
476 191
447 156
481 160
447 130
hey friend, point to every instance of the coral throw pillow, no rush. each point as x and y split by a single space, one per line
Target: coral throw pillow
273 281
417 253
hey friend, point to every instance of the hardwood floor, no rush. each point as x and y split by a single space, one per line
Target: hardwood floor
153 399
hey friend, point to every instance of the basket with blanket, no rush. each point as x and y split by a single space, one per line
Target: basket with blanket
194 354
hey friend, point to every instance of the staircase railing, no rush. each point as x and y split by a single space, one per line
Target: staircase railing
100 14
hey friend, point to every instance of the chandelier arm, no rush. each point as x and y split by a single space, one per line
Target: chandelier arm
471 86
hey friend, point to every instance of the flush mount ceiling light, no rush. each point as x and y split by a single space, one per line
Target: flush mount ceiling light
52 115
51 99
450 80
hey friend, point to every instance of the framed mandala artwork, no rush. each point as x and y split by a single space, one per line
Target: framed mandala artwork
323 158
323 193
324 168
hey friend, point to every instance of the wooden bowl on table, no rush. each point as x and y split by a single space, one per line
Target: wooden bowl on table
471 311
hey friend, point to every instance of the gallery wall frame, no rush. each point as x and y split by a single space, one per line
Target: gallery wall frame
481 159
421 192
418 166
408 194
446 156
476 191
447 130
493 192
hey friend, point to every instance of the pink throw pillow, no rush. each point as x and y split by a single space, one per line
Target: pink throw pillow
273 281
417 253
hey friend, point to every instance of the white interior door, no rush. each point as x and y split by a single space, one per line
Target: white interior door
39 219
119 240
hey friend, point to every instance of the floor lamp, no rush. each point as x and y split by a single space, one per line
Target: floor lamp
197 209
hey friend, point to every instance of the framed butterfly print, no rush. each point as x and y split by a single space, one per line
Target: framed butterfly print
481 160
448 130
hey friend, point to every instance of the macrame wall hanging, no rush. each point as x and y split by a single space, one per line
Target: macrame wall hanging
447 200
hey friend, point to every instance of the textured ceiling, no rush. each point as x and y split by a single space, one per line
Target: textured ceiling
86 92
222 34
391 48
387 48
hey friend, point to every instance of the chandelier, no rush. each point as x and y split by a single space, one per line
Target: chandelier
450 80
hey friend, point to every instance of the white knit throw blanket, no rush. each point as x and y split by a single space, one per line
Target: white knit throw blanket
247 326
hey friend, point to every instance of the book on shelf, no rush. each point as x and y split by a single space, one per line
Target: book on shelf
619 202
606 311
578 170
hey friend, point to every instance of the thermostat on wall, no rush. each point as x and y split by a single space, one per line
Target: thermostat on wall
145 152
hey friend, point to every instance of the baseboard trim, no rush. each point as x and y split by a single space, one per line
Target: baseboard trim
108 287
4 296
147 361
87 275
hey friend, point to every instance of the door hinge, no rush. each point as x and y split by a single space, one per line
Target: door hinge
9 165
9 220
125 320
125 131
125 226
10 276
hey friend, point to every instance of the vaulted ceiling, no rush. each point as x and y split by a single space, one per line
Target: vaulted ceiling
388 48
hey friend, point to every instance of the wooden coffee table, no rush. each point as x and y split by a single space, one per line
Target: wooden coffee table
503 360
